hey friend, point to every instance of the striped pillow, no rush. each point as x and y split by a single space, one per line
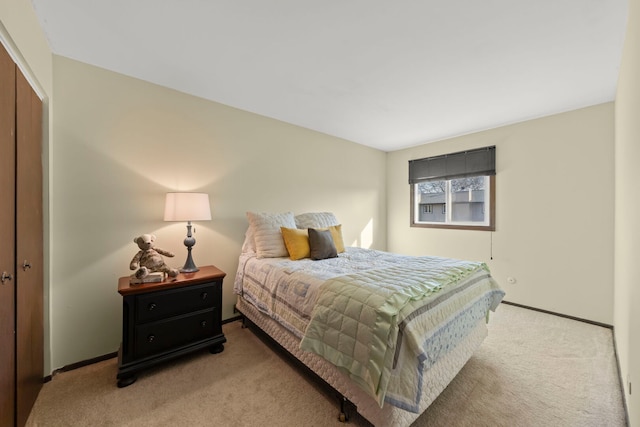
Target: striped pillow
267 235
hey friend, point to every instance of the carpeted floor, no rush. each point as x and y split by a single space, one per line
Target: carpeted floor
534 369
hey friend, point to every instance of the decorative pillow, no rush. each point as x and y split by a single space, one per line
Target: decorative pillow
336 233
316 220
297 242
321 244
267 235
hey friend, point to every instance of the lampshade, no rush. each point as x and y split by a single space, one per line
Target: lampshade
187 207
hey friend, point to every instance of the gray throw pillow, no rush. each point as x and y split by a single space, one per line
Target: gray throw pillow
321 244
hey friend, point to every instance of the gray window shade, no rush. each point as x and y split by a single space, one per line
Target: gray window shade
481 161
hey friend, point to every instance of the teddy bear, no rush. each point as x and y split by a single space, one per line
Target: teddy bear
149 258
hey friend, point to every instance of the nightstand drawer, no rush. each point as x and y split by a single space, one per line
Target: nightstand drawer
162 304
155 337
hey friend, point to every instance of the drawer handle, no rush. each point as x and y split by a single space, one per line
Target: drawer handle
151 338
204 295
152 306
203 323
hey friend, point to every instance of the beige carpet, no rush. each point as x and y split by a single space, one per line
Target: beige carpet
534 369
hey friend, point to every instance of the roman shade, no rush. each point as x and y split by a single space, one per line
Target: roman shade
477 162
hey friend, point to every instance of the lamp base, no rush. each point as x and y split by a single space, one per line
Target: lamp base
189 265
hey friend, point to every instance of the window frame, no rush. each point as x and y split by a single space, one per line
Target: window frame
457 226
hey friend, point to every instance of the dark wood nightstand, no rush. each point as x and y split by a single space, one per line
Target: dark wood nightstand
164 320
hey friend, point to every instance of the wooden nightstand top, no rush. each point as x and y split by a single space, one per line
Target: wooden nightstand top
205 274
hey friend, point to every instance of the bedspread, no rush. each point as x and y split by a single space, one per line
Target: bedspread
439 311
364 322
287 290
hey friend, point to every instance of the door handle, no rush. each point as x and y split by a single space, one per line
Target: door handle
26 265
5 276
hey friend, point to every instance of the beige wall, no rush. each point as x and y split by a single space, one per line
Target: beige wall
121 144
554 217
627 219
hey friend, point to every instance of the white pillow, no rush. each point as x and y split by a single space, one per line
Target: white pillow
267 235
249 245
316 220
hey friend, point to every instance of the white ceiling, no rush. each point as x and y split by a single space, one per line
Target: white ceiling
387 74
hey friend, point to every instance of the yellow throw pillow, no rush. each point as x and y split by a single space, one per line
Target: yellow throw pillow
336 233
297 242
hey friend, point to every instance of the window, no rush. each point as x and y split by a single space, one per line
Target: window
461 186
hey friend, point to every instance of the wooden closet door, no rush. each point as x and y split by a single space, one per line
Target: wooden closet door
7 236
29 247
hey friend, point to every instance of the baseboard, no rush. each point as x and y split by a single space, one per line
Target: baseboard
80 364
87 362
232 319
622 390
579 319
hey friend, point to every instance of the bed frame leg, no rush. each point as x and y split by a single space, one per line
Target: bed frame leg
243 318
343 417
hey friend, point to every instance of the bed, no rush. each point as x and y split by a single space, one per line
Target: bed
388 332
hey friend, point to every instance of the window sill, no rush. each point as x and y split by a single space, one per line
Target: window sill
456 227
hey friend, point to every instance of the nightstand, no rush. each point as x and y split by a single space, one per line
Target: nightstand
164 320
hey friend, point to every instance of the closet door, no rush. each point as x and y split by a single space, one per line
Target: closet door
29 241
7 237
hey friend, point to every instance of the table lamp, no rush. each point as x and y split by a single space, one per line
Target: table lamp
187 207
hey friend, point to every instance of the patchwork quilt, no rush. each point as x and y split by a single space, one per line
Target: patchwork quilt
382 318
